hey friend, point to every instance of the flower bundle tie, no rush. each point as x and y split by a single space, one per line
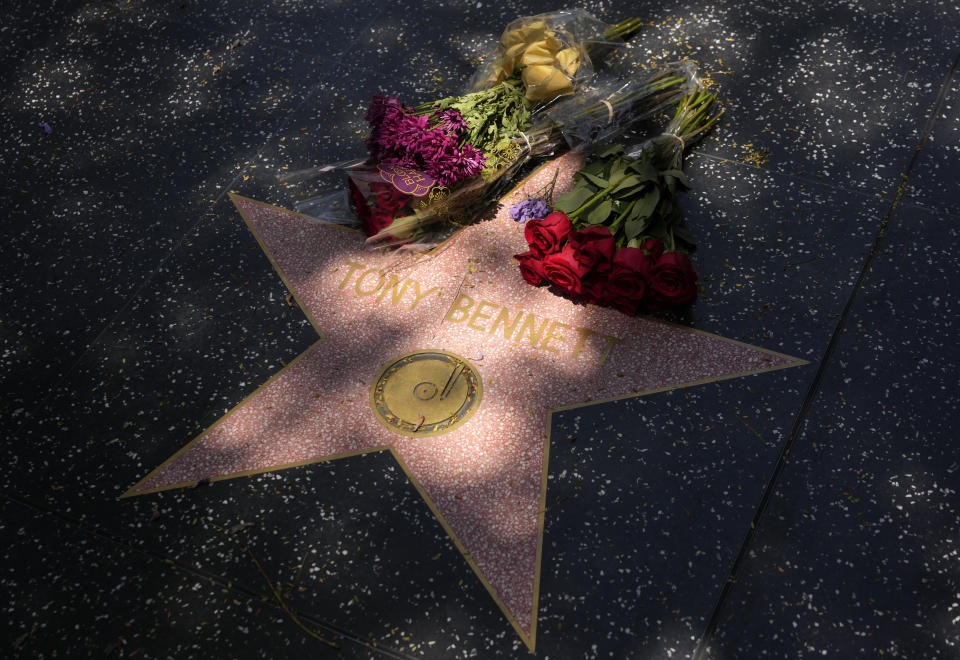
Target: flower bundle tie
609 110
683 145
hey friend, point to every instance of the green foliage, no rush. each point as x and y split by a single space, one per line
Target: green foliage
574 199
493 116
631 196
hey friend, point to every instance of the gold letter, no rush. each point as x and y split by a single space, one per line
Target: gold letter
529 324
457 307
610 342
353 268
585 334
508 325
552 334
394 283
363 277
478 314
421 296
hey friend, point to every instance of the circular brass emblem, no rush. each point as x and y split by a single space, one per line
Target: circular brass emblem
426 393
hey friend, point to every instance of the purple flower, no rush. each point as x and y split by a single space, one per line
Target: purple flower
452 122
528 209
401 138
410 131
383 106
395 136
455 165
47 128
437 146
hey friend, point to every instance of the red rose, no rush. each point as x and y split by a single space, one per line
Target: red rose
378 220
652 247
387 196
594 288
625 305
594 248
546 235
531 267
628 279
672 281
563 269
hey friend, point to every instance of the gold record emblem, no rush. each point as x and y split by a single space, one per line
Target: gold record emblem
426 393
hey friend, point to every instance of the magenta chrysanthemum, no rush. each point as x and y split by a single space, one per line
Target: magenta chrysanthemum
430 144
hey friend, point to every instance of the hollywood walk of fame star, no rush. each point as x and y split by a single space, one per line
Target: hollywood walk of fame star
454 364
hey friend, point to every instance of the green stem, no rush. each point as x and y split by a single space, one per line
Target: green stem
616 223
590 203
622 30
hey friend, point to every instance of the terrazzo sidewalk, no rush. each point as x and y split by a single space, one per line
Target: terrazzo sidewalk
809 511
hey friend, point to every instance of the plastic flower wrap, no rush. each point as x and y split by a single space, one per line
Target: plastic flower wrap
445 159
417 154
551 52
605 109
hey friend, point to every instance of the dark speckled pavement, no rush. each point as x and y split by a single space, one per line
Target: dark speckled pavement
809 512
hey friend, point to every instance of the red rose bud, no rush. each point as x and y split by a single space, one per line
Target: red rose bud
594 248
563 269
531 267
672 281
546 235
628 277
653 247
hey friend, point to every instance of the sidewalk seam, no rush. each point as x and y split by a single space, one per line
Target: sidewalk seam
825 363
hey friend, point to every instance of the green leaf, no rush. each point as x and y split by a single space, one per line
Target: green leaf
633 192
681 234
670 213
574 199
647 204
595 180
628 182
679 176
596 167
611 150
657 227
671 184
635 227
618 168
598 215
644 170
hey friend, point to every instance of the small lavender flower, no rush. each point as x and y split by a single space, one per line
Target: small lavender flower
529 209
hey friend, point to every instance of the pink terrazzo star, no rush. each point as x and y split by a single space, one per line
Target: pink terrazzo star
533 352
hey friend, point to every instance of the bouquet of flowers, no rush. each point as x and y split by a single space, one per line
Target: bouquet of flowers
607 107
616 239
446 160
416 151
